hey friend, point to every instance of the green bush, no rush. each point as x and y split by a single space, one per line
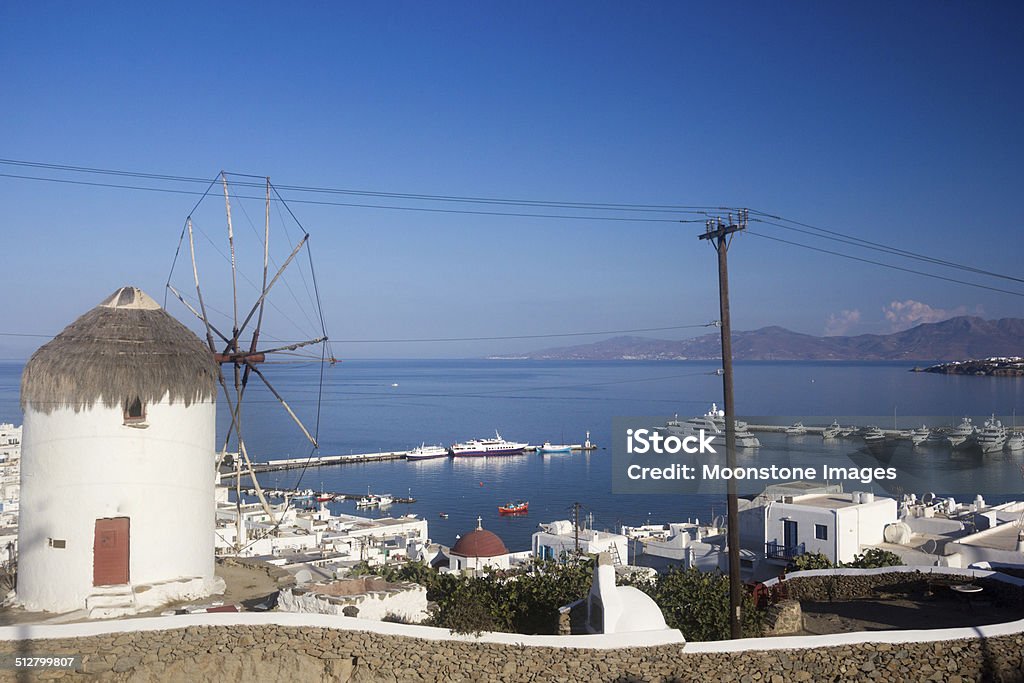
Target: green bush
873 558
697 603
527 600
809 561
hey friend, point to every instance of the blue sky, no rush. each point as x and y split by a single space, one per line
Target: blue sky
897 123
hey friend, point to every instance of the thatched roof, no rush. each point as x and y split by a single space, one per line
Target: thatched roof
126 347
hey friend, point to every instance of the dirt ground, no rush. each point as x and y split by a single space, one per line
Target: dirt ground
245 586
901 614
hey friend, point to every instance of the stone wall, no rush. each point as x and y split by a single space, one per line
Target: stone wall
286 653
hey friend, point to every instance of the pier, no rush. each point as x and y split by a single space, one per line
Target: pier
281 464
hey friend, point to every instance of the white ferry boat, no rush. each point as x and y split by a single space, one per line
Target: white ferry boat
425 452
481 447
992 436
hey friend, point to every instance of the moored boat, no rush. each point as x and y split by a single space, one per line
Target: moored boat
481 447
960 434
518 507
549 447
797 429
1015 442
873 435
992 436
425 452
920 435
371 500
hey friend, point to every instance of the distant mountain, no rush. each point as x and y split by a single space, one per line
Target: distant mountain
953 339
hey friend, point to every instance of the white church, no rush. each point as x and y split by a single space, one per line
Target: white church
117 470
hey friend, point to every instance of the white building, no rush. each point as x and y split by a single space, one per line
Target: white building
558 539
950 534
682 544
117 466
837 525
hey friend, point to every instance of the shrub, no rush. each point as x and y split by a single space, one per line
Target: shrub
809 561
873 558
697 603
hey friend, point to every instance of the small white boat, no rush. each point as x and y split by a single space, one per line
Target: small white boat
797 429
549 447
372 500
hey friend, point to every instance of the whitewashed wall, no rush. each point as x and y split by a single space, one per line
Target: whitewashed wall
80 467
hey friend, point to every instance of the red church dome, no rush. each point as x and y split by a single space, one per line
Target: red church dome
479 543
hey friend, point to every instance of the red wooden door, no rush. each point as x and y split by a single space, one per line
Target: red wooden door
110 552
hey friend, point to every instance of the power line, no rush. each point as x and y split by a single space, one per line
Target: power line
763 216
885 265
608 206
455 339
424 209
875 246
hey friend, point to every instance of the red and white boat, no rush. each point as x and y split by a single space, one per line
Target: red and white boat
516 508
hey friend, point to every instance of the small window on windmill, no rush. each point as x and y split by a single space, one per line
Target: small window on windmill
58 543
134 412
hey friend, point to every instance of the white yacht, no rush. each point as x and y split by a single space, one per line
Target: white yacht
960 434
920 435
992 437
873 435
744 437
713 423
832 431
797 429
1015 442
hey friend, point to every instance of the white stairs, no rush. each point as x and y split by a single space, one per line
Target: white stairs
107 602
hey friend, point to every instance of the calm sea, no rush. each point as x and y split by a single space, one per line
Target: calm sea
369 406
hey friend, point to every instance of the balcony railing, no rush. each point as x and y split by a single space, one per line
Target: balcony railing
778 551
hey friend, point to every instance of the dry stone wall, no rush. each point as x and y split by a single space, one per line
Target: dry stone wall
286 653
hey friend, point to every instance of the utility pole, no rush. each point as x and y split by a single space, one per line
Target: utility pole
719 234
576 526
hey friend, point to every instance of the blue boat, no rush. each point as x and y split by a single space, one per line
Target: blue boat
548 447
